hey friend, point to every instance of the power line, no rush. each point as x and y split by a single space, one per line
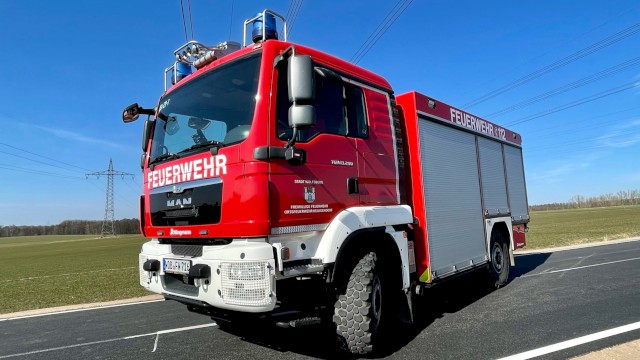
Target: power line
37 161
103 189
395 13
231 19
138 190
377 29
562 45
37 172
574 85
587 140
621 35
190 18
294 16
575 103
288 15
184 23
571 127
45 157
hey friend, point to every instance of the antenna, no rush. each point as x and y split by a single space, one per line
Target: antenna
108 226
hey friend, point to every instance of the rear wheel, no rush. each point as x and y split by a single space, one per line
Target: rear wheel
499 262
365 308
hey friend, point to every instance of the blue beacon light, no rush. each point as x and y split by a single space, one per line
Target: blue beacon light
182 71
270 30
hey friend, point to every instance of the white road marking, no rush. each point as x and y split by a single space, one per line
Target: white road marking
68 274
581 267
574 342
78 310
111 340
575 247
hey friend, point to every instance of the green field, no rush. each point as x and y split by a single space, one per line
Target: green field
578 226
46 271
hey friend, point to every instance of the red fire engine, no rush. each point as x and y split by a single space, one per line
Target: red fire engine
283 183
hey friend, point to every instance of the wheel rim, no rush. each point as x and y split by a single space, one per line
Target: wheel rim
497 258
376 301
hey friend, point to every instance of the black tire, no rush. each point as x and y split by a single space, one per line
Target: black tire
498 260
365 309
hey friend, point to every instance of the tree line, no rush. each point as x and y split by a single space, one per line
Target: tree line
131 226
621 198
70 227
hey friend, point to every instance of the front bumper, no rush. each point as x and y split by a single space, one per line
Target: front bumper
241 276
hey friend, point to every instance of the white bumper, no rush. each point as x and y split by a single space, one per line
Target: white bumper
242 275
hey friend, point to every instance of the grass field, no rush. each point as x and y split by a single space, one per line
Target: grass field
578 226
46 271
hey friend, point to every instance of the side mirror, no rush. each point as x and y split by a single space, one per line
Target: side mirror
302 116
131 113
300 78
301 91
146 134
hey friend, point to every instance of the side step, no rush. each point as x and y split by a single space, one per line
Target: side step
299 322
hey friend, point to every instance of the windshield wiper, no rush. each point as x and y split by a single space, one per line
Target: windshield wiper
164 157
209 143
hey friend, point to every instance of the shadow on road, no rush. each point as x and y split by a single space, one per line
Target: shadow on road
526 263
449 297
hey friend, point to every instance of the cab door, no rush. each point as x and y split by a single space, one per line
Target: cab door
307 197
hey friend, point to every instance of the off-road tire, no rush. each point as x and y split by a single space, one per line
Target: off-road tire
358 313
499 260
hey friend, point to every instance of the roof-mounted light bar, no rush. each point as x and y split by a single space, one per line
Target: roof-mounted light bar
195 55
264 27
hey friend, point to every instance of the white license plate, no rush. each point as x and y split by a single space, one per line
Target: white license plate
176 266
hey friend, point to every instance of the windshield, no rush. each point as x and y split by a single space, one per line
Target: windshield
215 109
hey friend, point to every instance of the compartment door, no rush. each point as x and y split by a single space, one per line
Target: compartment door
455 227
494 186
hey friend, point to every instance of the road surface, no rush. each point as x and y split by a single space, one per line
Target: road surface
552 298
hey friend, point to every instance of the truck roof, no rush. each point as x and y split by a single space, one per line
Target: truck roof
320 57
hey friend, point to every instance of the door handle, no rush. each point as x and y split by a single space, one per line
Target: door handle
352 186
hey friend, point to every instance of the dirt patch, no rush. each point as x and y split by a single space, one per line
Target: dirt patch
628 351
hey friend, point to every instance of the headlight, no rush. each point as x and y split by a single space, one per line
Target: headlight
246 283
246 271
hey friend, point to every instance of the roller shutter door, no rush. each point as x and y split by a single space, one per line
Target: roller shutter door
494 187
452 197
515 183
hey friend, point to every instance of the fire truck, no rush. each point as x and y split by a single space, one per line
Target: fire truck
284 184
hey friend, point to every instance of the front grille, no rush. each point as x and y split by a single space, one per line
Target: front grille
186 250
200 205
187 192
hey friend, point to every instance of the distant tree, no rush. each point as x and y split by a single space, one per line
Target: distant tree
622 197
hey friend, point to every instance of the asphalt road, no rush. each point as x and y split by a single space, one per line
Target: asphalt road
550 298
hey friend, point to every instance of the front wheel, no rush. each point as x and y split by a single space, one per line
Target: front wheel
499 262
365 308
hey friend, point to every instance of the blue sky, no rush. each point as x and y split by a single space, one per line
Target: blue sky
70 67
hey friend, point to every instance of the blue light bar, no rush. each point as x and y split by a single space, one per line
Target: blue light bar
270 30
181 71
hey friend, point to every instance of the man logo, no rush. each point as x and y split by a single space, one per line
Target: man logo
310 194
179 202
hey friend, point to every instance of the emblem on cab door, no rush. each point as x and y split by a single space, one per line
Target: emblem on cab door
310 194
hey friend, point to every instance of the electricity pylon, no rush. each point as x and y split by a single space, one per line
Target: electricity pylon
108 226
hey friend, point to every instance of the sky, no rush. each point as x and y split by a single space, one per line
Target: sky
563 74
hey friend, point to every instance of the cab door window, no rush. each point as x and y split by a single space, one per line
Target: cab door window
340 110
